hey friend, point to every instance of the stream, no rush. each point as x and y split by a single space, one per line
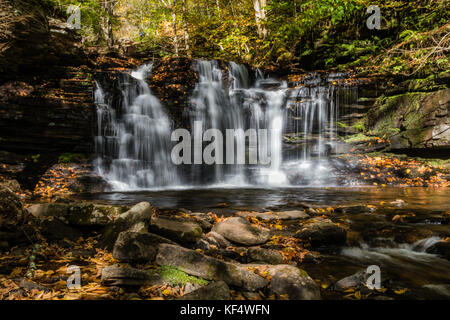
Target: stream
399 249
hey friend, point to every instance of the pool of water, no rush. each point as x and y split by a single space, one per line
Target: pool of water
277 198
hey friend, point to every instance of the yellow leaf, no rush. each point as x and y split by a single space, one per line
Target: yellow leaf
401 291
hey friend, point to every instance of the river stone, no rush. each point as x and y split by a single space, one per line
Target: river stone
261 255
127 277
441 248
321 232
135 220
181 231
137 246
294 282
239 230
289 280
200 265
356 280
29 285
203 219
214 291
280 215
76 214
217 239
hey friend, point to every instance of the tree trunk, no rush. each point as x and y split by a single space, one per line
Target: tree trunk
260 15
232 8
173 10
218 8
108 8
186 31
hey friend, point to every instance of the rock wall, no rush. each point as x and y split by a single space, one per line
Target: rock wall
414 116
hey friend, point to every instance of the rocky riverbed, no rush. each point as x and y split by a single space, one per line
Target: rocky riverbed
293 250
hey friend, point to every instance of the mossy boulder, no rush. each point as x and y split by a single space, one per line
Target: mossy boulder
414 120
199 265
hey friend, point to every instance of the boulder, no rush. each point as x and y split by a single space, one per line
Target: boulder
13 218
123 277
76 214
293 282
202 245
261 255
441 248
239 230
136 219
137 246
11 209
356 280
29 285
217 239
203 219
321 232
288 280
280 215
177 230
214 291
200 265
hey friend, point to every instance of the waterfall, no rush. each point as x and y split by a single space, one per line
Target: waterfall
134 148
134 130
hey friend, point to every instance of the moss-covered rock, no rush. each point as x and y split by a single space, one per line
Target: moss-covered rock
412 120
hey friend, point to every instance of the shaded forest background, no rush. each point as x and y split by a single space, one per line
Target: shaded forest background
306 34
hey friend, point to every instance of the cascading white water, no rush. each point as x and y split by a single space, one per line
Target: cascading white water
134 147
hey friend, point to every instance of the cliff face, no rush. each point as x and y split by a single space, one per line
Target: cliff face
414 115
52 115
46 102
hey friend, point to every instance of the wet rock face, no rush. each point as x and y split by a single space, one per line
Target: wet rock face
239 230
441 248
172 80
